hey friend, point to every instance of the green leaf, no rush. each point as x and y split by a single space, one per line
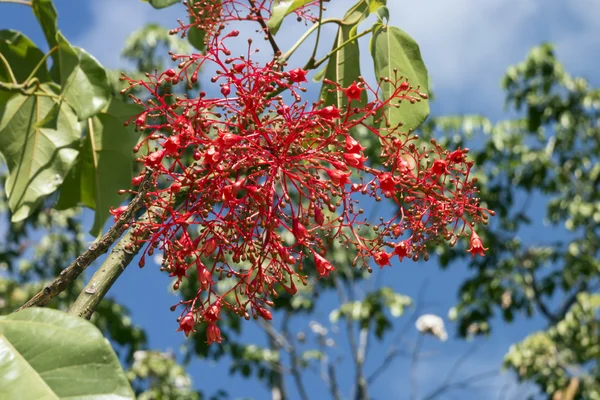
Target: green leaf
282 8
162 3
84 81
47 17
48 354
391 48
343 66
383 13
22 56
105 164
37 140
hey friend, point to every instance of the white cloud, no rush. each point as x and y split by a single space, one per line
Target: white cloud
114 20
467 44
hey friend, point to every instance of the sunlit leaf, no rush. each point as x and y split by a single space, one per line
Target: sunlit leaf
392 49
48 354
38 138
282 8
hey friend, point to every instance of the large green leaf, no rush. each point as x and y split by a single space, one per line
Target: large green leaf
343 66
37 140
48 354
105 164
162 3
22 57
47 17
84 81
282 8
392 48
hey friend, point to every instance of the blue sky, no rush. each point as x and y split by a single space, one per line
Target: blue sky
467 45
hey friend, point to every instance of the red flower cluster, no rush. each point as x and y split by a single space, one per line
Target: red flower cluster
251 185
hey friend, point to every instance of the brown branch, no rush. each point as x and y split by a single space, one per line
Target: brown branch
116 262
261 21
97 248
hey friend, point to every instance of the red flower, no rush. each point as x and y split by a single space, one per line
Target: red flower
209 246
439 167
187 324
319 217
338 177
323 266
476 245
297 75
402 249
387 182
213 334
299 231
204 276
457 156
154 159
353 146
382 258
266 314
354 160
353 91
329 112
212 313
172 144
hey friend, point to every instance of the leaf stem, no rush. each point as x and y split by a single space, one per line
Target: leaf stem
306 34
24 2
9 69
332 52
39 64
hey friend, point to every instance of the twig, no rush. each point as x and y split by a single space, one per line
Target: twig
394 351
414 384
333 386
461 384
24 2
294 360
97 248
263 25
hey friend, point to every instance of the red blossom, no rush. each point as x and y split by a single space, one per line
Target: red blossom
267 161
476 246
187 324
297 75
354 160
353 145
329 113
353 92
402 250
439 167
213 334
338 177
387 182
382 258
323 266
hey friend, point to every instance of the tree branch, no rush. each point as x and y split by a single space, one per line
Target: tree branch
114 264
263 25
96 249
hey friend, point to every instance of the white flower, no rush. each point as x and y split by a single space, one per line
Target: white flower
433 325
140 355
